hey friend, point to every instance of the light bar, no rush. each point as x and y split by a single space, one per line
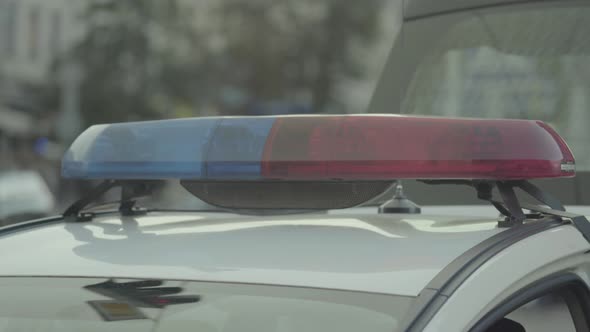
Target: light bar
323 147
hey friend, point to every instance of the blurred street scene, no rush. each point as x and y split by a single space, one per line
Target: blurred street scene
69 64
66 65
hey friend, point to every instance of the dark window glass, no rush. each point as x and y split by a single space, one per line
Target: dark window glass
34 32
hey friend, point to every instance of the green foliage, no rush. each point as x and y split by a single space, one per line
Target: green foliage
147 59
123 60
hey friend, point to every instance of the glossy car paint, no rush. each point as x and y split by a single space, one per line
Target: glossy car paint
392 254
559 250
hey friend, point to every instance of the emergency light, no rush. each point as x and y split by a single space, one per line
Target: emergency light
320 148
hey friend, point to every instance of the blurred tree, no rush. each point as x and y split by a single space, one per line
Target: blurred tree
131 57
296 51
147 59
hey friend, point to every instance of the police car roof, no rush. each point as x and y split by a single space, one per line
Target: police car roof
392 254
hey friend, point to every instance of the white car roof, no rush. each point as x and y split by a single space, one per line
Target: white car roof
392 254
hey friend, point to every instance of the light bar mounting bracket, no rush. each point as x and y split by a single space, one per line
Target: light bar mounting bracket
512 209
130 192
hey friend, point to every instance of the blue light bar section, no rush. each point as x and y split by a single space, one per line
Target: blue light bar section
236 148
219 148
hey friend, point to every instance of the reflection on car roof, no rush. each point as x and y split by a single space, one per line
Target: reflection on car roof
394 254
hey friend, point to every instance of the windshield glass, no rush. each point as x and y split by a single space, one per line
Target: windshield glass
86 304
527 62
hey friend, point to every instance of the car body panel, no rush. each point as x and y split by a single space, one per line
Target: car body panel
559 250
391 254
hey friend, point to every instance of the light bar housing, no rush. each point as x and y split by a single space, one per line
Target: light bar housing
320 148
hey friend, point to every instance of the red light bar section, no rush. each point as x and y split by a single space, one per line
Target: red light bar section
385 147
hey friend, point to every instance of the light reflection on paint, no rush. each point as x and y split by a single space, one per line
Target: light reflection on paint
426 225
235 226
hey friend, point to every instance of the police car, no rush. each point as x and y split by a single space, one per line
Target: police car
279 263
278 254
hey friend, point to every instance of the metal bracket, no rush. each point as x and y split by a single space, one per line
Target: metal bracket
580 222
510 206
130 191
514 215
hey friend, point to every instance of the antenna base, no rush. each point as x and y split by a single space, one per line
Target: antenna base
400 204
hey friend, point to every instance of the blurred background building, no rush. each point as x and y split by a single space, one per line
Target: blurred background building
33 34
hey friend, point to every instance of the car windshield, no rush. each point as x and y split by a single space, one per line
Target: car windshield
522 61
86 304
526 62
